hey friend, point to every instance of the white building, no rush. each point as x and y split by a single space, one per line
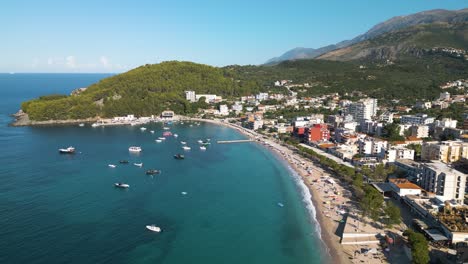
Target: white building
398 152
372 146
364 109
190 96
420 131
447 183
444 96
386 117
371 127
223 110
237 106
419 119
262 96
446 122
208 97
403 187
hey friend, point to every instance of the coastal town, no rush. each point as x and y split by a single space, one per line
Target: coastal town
415 162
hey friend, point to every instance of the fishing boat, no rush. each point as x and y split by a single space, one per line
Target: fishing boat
158 140
153 228
152 171
111 166
179 156
134 149
121 185
186 147
69 150
138 164
123 161
202 148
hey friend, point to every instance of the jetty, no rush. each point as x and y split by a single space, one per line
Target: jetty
234 141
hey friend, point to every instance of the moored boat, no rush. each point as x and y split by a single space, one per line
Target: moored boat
81 125
121 185
138 164
158 140
175 135
183 142
134 149
153 228
161 138
69 150
179 156
202 148
111 166
167 134
166 128
123 161
152 131
142 128
186 148
152 171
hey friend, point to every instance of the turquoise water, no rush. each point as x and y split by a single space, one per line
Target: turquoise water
64 209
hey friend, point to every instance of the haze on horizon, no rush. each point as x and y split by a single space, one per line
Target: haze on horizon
115 36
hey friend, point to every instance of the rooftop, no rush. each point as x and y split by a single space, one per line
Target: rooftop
404 184
441 167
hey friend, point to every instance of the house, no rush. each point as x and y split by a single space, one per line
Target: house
318 132
445 151
167 115
398 152
403 187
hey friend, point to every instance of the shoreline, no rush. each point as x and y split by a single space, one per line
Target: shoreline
335 251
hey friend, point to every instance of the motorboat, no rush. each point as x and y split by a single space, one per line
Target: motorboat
152 131
280 205
142 128
202 148
69 150
175 135
158 140
123 161
151 172
81 125
184 193
183 142
138 164
167 134
179 156
134 149
200 141
95 125
161 138
121 185
111 166
153 228
186 148
166 128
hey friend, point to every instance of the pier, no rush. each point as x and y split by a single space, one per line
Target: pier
234 141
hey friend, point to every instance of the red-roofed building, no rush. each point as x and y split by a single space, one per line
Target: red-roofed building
318 132
403 187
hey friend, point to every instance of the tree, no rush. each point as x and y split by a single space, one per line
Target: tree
419 247
371 203
393 213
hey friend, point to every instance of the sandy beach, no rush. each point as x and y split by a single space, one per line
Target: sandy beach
325 212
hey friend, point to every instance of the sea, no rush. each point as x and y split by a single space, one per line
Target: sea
221 205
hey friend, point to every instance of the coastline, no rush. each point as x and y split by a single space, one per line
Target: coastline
335 251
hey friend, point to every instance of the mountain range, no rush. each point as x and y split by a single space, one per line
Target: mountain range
393 25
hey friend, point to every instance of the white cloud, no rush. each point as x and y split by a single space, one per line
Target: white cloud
50 61
70 61
105 62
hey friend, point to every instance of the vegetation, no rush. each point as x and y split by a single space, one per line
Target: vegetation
372 203
419 247
393 213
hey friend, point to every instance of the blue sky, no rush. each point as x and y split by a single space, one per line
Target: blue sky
114 36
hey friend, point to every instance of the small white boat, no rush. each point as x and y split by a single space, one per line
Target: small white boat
134 149
191 125
121 185
161 138
152 131
142 128
153 228
202 148
166 128
208 139
175 135
95 125
81 125
200 141
138 164
183 142
69 150
158 140
111 166
186 148
184 193
280 204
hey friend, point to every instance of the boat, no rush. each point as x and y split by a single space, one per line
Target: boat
111 166
183 142
153 228
69 150
134 149
81 125
202 147
167 134
152 131
186 147
151 172
208 139
138 164
158 140
184 193
142 128
200 141
95 125
280 204
121 185
161 138
166 128
179 156
175 135
123 161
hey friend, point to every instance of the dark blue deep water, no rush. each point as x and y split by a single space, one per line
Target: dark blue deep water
64 209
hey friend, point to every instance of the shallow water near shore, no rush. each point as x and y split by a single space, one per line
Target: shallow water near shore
64 208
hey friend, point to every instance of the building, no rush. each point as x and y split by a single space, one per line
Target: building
223 110
371 146
209 98
423 105
364 109
237 106
262 96
318 132
411 168
418 119
386 117
395 153
371 127
447 183
444 96
445 151
190 96
167 115
403 187
446 122
420 131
